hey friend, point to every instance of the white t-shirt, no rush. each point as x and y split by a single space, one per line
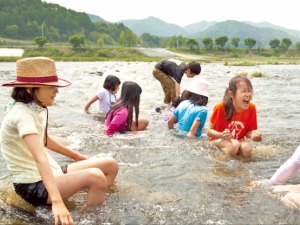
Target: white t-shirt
23 119
106 100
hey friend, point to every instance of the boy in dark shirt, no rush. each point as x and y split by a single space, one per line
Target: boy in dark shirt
169 73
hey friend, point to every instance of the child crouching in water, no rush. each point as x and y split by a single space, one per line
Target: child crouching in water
191 113
120 117
234 119
37 177
106 95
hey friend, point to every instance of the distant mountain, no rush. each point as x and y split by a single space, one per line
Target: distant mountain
198 27
232 28
154 26
262 32
295 33
95 18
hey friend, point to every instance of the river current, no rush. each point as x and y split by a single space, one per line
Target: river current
165 178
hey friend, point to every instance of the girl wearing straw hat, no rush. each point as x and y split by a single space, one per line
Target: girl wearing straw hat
37 177
191 113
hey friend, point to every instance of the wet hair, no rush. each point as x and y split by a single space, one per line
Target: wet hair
194 67
227 100
111 82
194 98
20 94
130 98
176 101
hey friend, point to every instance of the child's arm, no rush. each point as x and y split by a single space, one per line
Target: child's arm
254 135
59 148
90 102
171 121
288 169
211 132
194 128
60 212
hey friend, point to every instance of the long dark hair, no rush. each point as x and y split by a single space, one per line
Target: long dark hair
228 105
130 98
194 98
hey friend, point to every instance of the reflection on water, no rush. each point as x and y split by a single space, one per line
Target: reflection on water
165 178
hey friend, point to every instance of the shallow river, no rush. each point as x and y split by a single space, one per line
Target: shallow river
165 178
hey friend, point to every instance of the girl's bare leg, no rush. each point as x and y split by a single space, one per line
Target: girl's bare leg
143 123
292 200
245 149
231 146
286 188
94 174
108 166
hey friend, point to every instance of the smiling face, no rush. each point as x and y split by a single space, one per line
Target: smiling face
46 95
242 97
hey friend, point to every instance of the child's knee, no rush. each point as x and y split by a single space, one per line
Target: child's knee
143 124
113 165
97 177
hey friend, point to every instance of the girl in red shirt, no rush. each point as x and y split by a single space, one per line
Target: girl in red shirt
234 119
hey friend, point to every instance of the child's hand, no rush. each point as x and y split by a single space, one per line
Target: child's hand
61 214
256 136
226 134
190 135
85 111
81 157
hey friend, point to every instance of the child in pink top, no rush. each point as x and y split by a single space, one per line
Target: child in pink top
120 117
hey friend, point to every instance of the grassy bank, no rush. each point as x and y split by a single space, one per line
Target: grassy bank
238 57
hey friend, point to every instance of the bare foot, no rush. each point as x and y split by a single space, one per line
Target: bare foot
292 200
286 188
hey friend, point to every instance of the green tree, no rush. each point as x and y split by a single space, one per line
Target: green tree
100 42
148 40
11 31
250 42
221 41
192 43
173 42
297 45
77 40
208 43
235 41
122 38
274 43
286 43
40 41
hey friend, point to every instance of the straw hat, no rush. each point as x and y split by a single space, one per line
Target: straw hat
37 72
199 86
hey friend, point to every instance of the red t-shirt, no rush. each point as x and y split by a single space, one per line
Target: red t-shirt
240 123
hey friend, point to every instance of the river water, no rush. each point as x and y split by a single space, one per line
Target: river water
165 178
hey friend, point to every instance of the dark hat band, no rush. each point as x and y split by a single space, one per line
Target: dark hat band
38 79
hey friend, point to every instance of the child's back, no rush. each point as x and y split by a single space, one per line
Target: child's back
187 113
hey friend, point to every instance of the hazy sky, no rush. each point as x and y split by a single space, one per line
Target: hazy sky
283 13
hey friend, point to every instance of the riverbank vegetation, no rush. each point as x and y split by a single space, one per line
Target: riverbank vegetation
236 57
93 52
